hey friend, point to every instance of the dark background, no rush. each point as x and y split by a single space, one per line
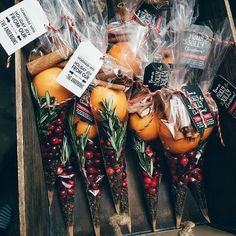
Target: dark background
220 166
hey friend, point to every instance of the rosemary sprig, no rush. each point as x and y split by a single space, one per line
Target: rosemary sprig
144 160
79 143
66 151
46 112
113 128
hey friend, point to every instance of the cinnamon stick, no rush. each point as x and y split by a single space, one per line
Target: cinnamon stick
48 61
110 85
62 64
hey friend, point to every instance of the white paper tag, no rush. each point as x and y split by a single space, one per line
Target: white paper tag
81 69
21 24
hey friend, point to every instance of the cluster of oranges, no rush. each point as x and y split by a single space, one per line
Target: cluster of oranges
147 128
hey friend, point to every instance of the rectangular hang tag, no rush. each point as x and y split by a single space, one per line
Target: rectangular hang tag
81 69
195 46
82 107
194 93
156 76
148 13
225 94
21 24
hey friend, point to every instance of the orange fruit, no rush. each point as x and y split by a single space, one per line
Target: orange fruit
207 133
118 97
46 81
81 128
147 127
125 56
176 146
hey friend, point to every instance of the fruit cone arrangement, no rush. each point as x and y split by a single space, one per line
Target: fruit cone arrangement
144 123
87 148
52 106
109 103
183 149
66 186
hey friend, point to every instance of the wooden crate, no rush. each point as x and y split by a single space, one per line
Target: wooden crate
33 206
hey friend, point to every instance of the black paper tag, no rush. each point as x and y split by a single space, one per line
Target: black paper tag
225 94
195 48
196 97
148 13
156 76
82 107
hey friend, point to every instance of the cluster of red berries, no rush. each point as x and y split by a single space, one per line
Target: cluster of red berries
93 166
66 176
114 168
151 183
185 168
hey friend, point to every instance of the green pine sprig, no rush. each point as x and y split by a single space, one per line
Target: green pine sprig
144 160
113 128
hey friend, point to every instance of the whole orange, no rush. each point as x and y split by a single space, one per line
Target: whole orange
176 146
118 98
46 81
147 127
82 126
125 56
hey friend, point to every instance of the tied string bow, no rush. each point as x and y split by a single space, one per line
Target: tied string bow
71 24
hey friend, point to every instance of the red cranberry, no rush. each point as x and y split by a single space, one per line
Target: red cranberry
148 150
71 182
156 173
54 141
51 127
90 178
109 152
184 161
145 174
91 170
191 154
152 191
108 143
146 186
124 184
49 134
62 193
58 130
118 171
95 186
154 183
179 183
198 177
191 167
71 191
124 175
60 140
147 180
59 121
191 180
59 170
110 171
97 162
185 179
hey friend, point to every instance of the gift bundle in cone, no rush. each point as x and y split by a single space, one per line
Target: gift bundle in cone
87 148
188 113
